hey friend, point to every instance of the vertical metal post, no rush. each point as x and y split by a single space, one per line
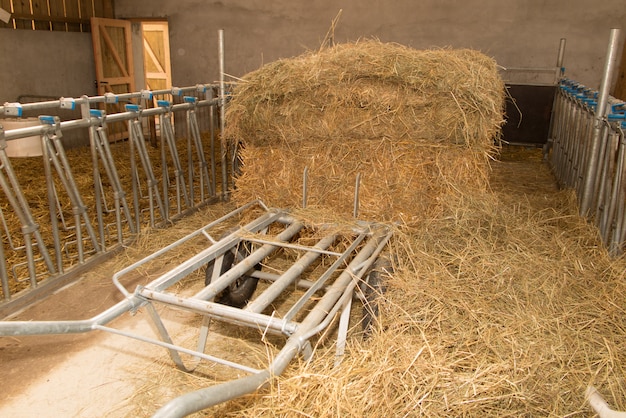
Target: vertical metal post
558 73
222 103
600 114
209 96
97 183
559 60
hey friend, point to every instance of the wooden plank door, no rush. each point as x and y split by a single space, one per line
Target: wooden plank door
113 54
156 47
157 68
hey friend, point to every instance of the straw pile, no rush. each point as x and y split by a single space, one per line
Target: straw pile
415 124
506 305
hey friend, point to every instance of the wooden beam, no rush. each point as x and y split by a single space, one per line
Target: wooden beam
44 18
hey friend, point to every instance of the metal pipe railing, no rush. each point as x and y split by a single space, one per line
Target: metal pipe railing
589 153
590 183
147 188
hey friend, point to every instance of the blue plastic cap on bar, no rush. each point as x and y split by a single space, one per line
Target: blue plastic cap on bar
96 113
146 94
616 116
190 99
133 107
163 103
623 125
46 120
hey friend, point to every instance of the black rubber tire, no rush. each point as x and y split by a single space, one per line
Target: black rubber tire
373 290
239 292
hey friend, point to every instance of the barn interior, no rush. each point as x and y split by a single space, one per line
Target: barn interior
332 208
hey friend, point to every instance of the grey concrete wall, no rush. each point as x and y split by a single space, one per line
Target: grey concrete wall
514 32
45 63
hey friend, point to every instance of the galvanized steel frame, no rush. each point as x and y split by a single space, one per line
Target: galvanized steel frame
44 258
589 151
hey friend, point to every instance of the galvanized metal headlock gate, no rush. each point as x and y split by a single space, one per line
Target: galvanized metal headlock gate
121 208
329 272
589 151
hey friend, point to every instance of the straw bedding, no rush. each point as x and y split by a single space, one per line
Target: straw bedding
504 305
414 124
503 301
31 176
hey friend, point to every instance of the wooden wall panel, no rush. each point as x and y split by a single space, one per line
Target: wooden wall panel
40 8
22 8
56 15
6 5
57 10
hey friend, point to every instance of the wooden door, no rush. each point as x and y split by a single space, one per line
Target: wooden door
156 47
113 54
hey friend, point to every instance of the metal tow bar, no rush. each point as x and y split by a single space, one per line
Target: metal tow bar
328 267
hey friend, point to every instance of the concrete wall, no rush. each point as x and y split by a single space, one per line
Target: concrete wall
44 63
514 32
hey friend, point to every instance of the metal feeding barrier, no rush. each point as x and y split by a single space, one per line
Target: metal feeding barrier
160 186
40 254
329 271
589 151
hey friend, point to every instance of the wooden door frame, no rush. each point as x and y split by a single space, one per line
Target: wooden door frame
128 72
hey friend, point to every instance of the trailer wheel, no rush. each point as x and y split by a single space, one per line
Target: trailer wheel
373 290
239 292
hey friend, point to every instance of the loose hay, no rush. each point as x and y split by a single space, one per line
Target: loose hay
416 125
505 305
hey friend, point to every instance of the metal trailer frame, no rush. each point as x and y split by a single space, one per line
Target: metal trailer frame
334 287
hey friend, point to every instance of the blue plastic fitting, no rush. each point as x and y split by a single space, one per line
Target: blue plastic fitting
96 113
47 120
132 107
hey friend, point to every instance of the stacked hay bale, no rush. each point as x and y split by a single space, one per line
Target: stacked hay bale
414 124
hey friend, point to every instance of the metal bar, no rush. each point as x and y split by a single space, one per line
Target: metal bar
212 290
154 194
600 114
122 97
275 289
167 138
321 281
98 192
213 395
222 113
223 312
166 280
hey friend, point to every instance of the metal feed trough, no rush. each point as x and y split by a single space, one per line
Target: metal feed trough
233 264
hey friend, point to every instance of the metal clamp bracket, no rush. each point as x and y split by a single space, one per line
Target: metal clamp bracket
13 109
